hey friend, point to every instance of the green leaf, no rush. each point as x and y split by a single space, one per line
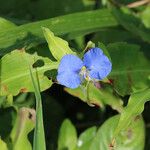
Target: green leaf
99 97
5 24
3 145
39 135
25 35
85 139
15 75
132 138
135 107
67 137
132 23
58 47
24 125
130 68
145 16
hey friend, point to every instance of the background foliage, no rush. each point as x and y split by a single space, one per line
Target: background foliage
34 36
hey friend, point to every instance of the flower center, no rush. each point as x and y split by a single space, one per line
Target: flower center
85 73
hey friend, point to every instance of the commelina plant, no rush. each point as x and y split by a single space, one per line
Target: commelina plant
72 71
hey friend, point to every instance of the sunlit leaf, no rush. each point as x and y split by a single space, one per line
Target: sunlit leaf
67 136
145 16
58 47
5 24
15 75
3 145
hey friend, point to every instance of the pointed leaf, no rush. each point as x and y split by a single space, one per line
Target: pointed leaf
58 47
67 136
5 24
39 134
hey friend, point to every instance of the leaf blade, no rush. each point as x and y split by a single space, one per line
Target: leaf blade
67 136
29 33
39 135
57 46
17 79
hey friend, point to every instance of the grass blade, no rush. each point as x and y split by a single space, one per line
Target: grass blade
39 135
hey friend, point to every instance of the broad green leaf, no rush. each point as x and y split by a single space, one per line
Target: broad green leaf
58 47
15 75
99 97
145 16
5 24
3 145
85 139
67 136
39 135
133 109
130 68
132 23
132 138
24 125
25 35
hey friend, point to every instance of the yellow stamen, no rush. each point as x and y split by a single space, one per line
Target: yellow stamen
83 68
85 73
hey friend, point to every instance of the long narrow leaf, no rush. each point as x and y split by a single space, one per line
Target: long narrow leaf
31 33
39 136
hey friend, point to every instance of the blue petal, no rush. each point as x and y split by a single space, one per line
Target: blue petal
68 71
70 63
69 79
97 63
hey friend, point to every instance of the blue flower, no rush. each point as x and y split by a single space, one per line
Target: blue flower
72 71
